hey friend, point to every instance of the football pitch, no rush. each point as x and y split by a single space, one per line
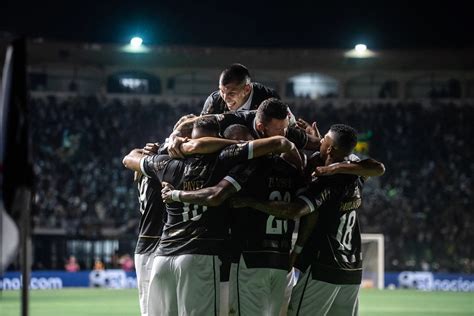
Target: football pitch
91 302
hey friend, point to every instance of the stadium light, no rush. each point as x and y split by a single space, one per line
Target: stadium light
136 42
360 48
135 46
360 51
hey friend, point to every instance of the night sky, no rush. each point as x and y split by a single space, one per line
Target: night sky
383 25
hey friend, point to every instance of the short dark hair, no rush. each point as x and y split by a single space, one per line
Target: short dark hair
237 132
207 123
235 73
271 109
345 137
182 119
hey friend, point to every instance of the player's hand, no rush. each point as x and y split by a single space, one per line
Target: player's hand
151 149
294 158
166 192
293 257
309 129
324 171
174 147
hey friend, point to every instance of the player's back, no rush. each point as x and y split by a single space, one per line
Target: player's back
195 229
265 240
334 248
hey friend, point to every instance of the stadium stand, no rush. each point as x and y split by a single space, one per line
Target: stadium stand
422 204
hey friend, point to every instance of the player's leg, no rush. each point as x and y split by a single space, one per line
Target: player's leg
143 266
162 299
290 283
233 305
224 299
346 302
278 286
224 284
198 284
253 285
311 297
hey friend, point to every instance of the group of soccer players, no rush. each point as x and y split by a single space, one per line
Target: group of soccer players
222 196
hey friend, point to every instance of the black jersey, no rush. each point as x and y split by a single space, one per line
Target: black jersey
189 228
214 104
265 240
247 118
334 247
152 209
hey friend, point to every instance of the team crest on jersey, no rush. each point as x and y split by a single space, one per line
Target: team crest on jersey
219 117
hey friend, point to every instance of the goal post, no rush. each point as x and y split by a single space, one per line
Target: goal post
373 275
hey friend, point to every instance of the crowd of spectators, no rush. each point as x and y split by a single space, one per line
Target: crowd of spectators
422 204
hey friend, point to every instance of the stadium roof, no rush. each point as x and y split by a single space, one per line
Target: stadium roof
304 24
99 55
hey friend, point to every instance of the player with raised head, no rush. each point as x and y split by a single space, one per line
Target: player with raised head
236 92
328 248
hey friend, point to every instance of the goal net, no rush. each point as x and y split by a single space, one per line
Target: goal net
373 261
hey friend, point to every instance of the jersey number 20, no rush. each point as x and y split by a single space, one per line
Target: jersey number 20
277 226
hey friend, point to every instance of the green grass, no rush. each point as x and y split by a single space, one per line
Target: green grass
91 302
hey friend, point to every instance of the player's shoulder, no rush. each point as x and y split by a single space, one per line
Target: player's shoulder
214 104
215 95
258 87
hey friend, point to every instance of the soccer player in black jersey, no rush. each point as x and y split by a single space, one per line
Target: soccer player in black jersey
152 209
265 240
329 242
236 92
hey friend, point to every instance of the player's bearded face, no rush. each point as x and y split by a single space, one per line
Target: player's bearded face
275 128
234 95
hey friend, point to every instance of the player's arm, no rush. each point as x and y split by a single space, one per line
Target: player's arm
237 177
303 140
364 168
306 227
280 209
306 203
211 196
132 160
205 145
275 144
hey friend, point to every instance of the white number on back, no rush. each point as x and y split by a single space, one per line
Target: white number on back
277 226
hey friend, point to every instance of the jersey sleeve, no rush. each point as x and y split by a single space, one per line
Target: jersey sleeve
208 107
239 175
315 196
236 153
161 168
163 148
275 94
297 136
